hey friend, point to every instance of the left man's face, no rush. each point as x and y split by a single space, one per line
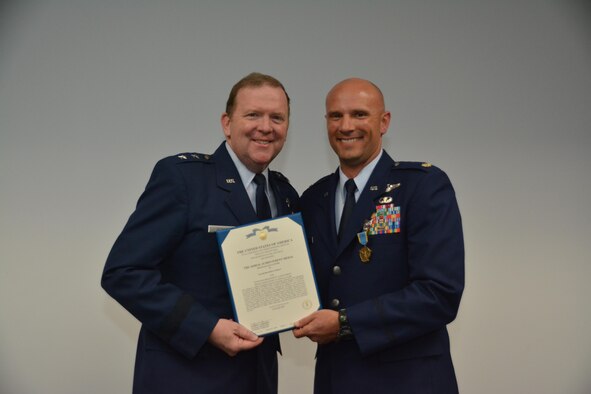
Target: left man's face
257 128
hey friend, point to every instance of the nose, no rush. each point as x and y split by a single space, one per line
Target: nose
266 125
346 123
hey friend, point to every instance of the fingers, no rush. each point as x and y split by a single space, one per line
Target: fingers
245 333
305 320
321 326
299 332
233 338
302 326
240 345
243 340
247 345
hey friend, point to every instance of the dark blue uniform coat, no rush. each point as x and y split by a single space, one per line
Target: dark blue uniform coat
400 302
165 269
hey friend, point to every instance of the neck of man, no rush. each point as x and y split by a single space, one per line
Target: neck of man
352 168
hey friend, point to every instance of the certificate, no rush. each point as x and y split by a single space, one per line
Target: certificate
269 273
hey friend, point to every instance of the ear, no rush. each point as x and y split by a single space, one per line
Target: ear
385 122
225 121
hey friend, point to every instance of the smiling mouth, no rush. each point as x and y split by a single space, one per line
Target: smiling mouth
349 140
262 142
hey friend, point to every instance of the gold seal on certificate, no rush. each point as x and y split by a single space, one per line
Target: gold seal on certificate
269 273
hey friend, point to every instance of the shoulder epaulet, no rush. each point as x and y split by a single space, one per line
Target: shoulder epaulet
413 165
279 176
192 157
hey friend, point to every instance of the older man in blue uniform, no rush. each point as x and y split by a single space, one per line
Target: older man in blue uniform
386 241
165 267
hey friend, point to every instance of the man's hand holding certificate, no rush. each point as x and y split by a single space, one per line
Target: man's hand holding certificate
269 274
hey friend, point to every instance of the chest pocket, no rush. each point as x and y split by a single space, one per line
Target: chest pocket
386 239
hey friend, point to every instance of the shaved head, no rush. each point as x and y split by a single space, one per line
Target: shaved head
359 85
356 120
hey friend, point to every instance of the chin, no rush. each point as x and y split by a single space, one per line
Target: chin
348 156
262 161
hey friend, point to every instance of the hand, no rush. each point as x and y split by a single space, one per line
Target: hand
321 326
233 338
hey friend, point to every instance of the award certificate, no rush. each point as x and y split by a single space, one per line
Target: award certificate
269 273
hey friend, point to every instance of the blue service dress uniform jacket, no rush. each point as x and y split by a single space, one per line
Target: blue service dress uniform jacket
166 270
400 301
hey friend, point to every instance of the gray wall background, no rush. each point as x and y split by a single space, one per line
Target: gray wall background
497 93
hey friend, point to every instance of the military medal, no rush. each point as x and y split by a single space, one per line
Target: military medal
364 252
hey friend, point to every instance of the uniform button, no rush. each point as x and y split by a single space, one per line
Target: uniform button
336 270
335 303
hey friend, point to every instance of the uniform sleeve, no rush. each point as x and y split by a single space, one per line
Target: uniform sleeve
436 273
132 275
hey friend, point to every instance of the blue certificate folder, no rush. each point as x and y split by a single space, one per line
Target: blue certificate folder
269 273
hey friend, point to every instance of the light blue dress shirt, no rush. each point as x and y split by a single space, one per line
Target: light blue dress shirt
360 181
247 177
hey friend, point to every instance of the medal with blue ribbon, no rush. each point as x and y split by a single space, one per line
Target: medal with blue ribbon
364 252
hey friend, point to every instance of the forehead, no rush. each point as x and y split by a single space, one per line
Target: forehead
266 96
353 96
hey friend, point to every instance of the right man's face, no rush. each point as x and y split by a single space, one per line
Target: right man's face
257 128
355 121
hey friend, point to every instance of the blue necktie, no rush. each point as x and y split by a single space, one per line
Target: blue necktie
263 208
350 187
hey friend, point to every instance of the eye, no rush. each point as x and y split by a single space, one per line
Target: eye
252 115
334 116
360 114
278 118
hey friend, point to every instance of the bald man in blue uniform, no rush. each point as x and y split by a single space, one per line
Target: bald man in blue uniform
165 267
387 246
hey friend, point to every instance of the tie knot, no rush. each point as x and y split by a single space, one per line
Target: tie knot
259 179
350 186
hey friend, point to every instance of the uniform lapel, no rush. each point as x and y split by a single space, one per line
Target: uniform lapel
325 211
228 179
284 204
328 199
